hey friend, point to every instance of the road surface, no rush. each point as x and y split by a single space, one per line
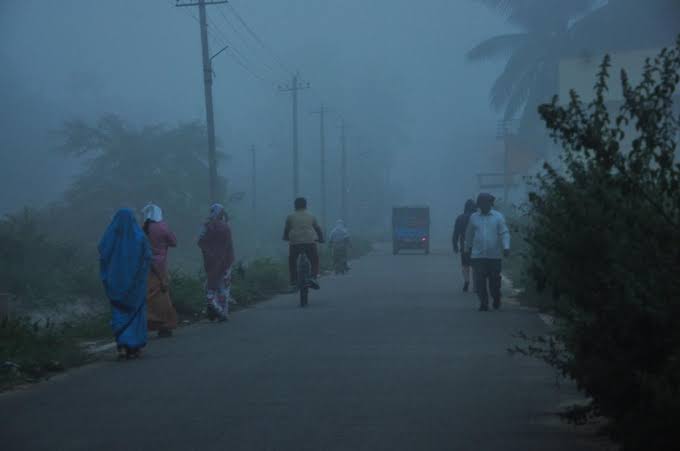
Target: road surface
391 357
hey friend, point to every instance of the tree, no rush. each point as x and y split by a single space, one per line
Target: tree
128 167
530 75
605 236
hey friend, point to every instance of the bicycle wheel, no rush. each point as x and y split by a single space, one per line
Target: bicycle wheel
304 273
304 297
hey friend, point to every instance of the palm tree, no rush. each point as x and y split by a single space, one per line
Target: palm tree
530 75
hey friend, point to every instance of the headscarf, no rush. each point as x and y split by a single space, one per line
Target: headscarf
124 256
339 232
216 210
152 212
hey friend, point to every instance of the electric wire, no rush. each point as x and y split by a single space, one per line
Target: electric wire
257 38
244 40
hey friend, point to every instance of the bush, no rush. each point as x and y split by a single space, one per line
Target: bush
187 293
33 266
31 350
604 237
261 279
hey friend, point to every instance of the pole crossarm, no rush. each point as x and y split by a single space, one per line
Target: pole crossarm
214 2
221 50
323 110
295 87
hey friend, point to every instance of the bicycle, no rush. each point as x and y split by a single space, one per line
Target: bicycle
339 253
304 273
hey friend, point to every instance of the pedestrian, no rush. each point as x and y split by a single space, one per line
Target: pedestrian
458 240
302 232
488 239
218 257
124 258
339 241
161 314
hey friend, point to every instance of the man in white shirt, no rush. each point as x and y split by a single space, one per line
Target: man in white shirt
488 239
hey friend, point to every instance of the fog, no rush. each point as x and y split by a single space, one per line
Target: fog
395 71
418 113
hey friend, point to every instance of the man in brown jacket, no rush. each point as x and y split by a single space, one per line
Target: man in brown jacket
302 232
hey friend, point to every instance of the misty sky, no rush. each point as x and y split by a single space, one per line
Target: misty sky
395 70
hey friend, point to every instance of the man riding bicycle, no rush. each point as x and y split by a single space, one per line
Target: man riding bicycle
302 232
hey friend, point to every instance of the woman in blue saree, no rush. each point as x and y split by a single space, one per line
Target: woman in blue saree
124 257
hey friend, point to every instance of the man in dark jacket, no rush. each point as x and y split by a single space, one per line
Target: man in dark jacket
459 240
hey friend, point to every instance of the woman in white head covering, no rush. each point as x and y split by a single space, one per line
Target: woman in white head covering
339 241
161 315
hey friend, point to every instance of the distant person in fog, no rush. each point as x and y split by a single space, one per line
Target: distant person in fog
217 247
161 314
488 239
458 240
124 259
340 242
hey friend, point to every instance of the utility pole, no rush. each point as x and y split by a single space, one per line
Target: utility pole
294 87
343 171
253 194
322 124
207 89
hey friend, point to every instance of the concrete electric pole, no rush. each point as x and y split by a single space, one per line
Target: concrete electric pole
253 194
343 171
294 87
207 89
322 135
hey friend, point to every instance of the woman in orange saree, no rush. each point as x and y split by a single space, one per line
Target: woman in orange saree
161 314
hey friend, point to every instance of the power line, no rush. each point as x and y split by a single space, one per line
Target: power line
257 38
245 67
243 39
218 36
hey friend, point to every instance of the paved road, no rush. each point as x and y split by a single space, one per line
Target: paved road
392 357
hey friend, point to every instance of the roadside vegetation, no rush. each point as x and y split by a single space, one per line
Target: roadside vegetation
602 243
53 306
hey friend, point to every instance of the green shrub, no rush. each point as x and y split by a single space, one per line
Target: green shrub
261 279
88 327
33 266
604 238
31 350
187 293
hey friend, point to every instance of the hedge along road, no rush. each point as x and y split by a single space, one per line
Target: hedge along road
390 357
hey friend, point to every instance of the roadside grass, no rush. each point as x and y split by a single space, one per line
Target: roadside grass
30 351
186 292
34 349
258 281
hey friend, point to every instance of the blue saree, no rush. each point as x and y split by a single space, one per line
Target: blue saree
124 258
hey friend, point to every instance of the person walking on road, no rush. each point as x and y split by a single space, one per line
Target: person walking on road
458 240
488 239
340 242
124 259
217 247
161 314
302 232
